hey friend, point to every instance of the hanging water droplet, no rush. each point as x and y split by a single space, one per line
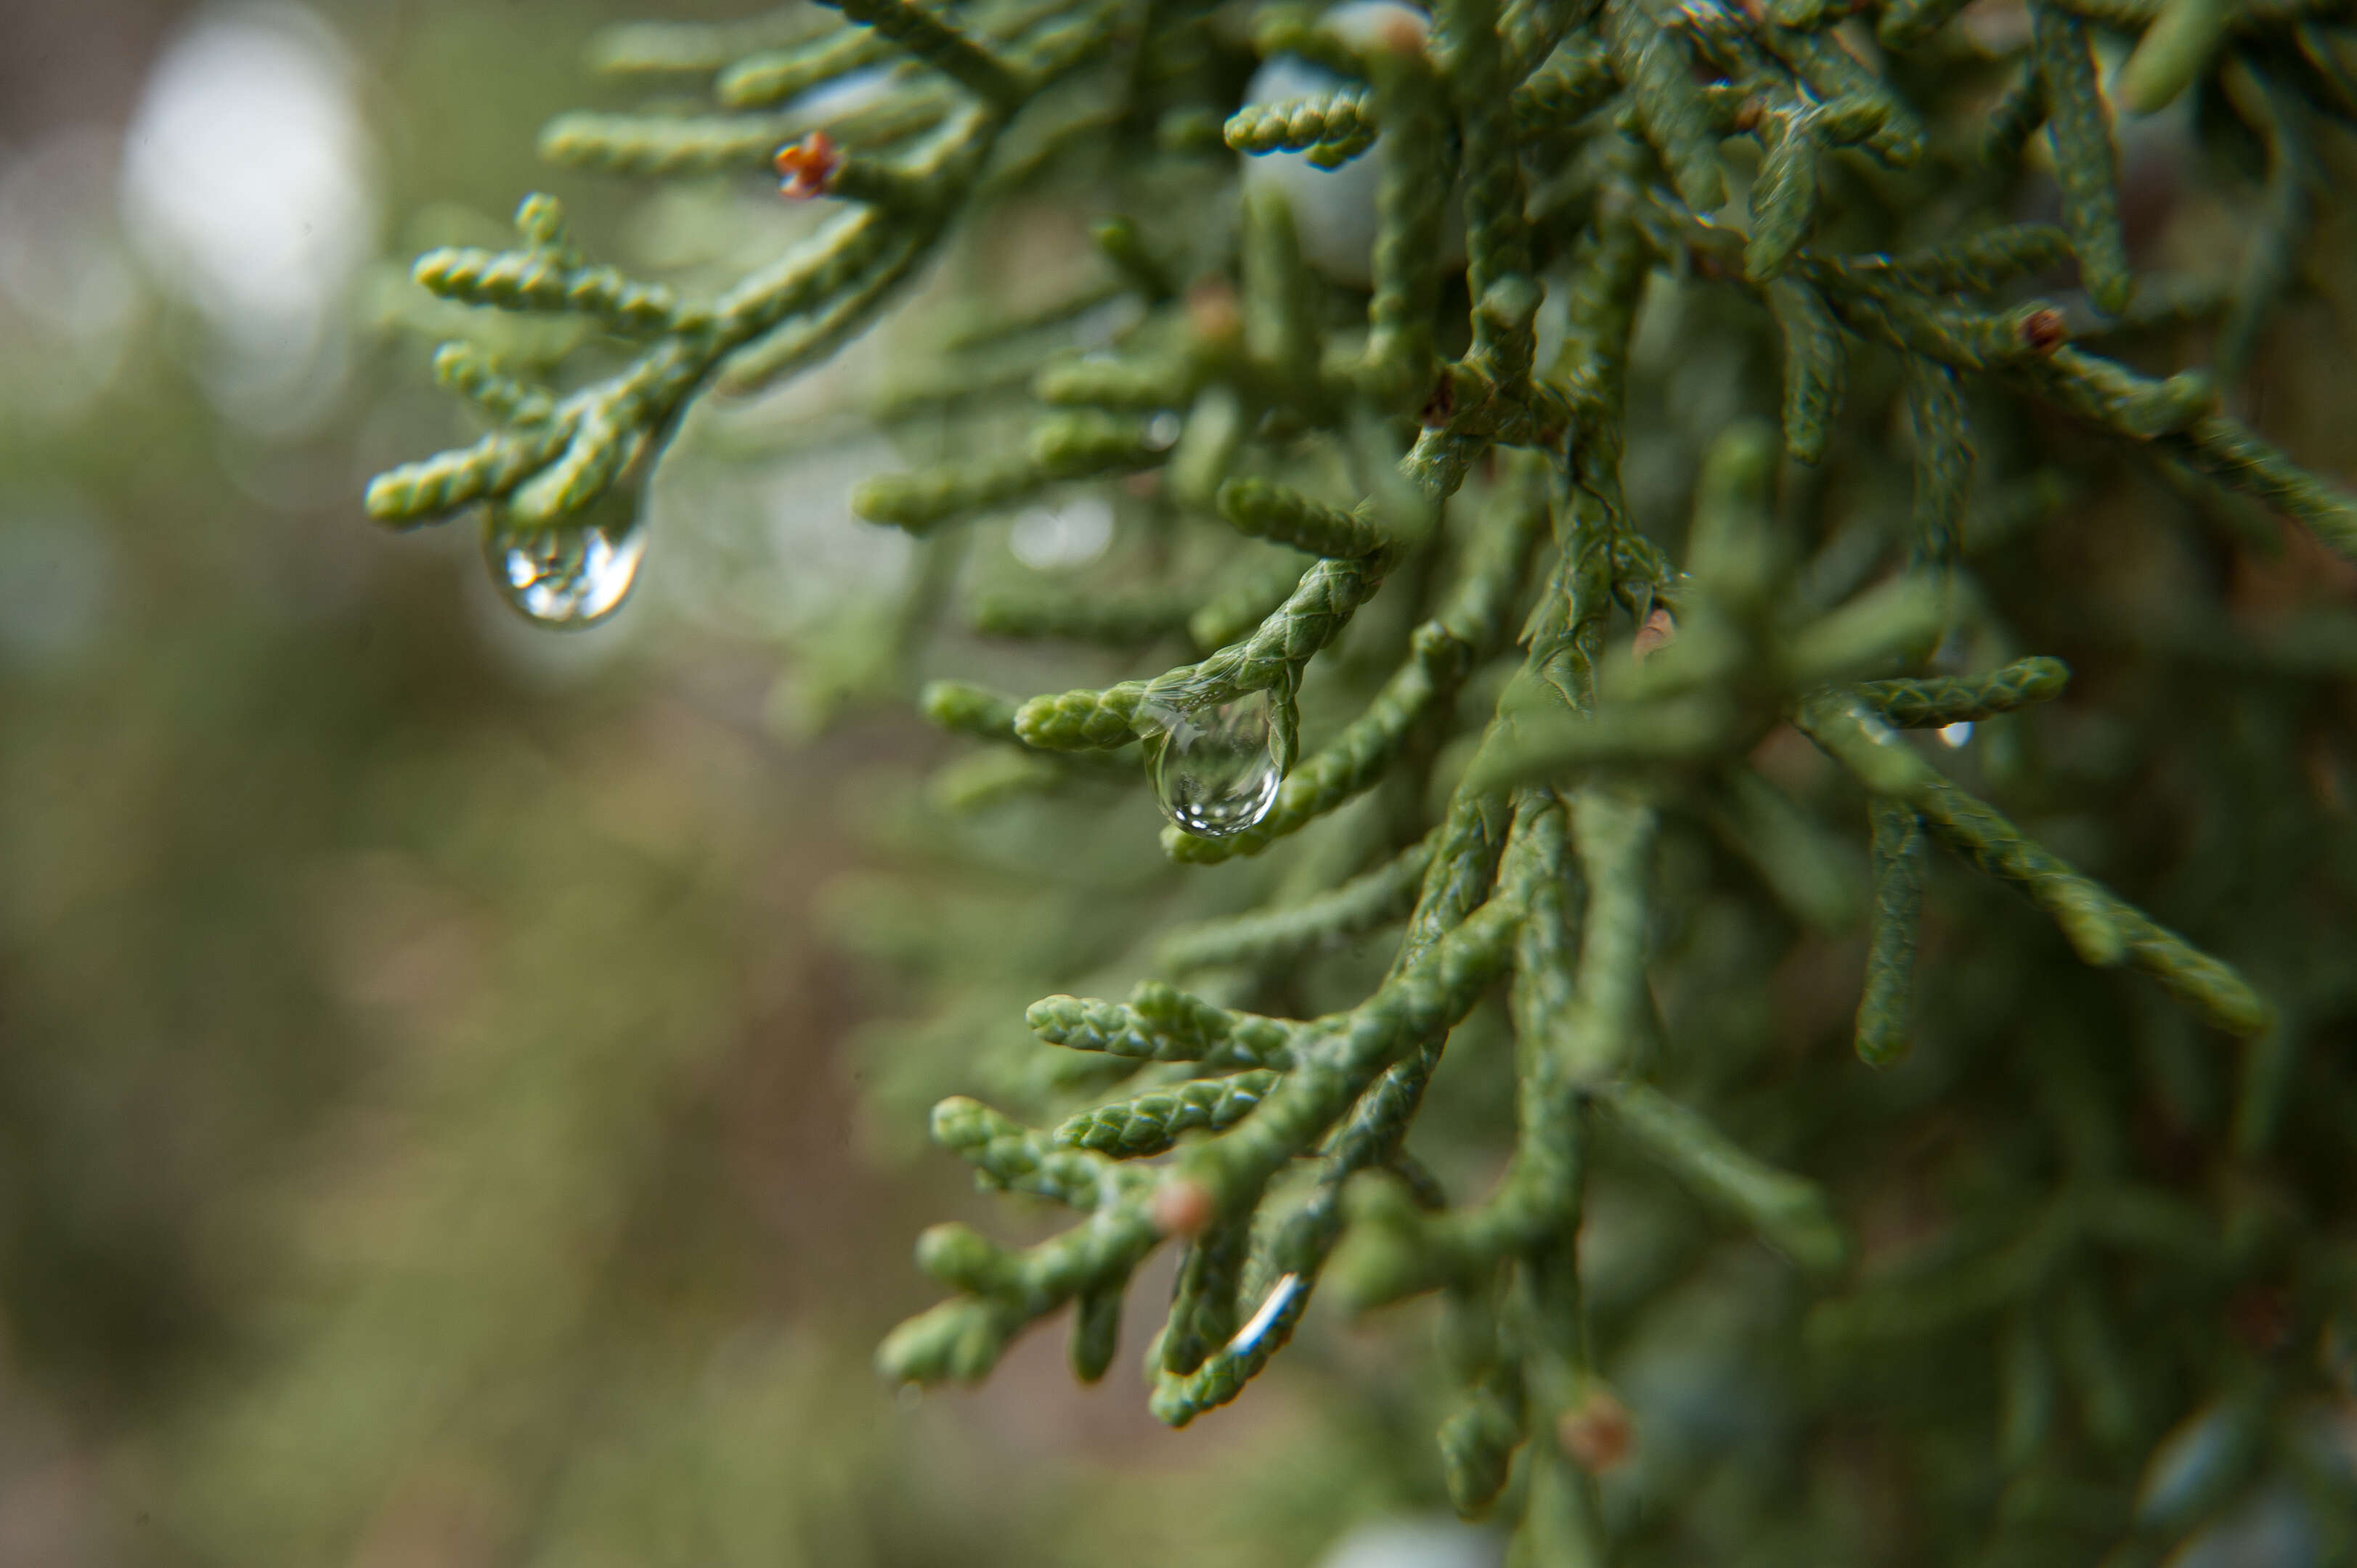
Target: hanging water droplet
566 576
1213 768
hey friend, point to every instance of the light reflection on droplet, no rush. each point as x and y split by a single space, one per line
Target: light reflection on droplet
565 576
1280 1296
1958 734
1214 770
1162 431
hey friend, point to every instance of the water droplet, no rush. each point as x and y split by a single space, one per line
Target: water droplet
1162 431
1213 765
569 575
1958 735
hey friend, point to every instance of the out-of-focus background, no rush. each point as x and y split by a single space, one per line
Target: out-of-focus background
427 1125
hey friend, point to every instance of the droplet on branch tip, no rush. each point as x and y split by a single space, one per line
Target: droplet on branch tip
1213 765
565 576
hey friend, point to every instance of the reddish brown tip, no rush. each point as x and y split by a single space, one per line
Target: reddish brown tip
1660 630
806 168
1182 1207
2044 330
1598 1435
1212 310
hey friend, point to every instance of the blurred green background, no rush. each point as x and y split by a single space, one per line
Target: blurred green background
426 1132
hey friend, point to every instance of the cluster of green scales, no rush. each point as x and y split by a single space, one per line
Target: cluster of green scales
1497 704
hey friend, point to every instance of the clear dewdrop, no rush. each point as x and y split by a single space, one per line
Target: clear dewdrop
567 576
1213 768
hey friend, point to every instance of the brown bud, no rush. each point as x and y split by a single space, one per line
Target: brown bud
1660 630
2044 330
1212 311
1596 1434
807 168
1403 34
1183 1207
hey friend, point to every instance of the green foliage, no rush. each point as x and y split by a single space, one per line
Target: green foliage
1557 700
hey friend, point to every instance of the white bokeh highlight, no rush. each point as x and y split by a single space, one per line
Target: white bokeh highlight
249 188
1062 535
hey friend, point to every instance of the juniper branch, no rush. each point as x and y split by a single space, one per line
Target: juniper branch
1588 154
